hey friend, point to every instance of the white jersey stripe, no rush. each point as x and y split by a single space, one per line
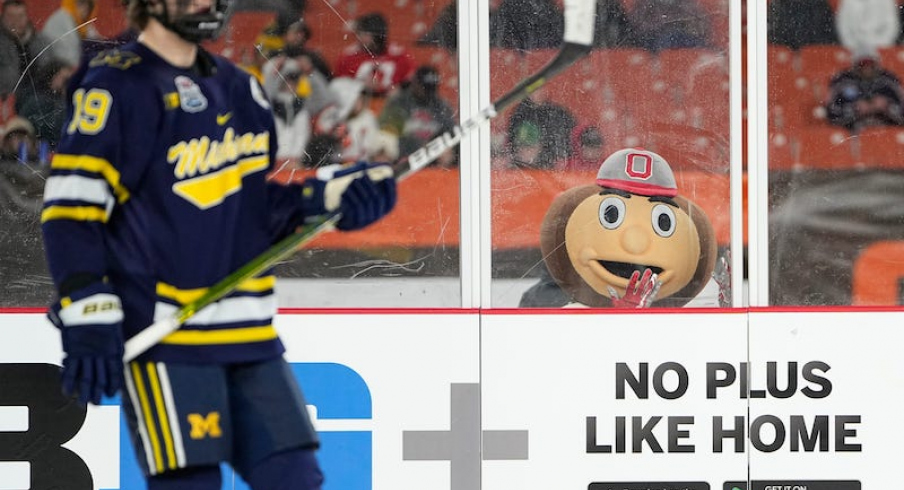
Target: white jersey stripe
142 428
172 414
78 188
229 310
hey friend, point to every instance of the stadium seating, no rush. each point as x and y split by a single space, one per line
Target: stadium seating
819 63
880 148
781 152
824 148
876 275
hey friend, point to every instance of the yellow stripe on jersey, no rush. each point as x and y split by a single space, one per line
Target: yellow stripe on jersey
95 165
209 190
162 415
148 418
75 213
185 296
222 336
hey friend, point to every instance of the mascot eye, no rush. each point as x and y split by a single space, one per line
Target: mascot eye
663 220
612 213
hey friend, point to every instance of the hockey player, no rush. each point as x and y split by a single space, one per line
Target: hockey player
158 190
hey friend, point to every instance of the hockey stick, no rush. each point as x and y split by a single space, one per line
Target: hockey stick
579 24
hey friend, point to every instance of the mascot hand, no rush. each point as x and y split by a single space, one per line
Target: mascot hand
722 276
640 293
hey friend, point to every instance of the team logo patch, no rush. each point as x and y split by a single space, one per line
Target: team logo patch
190 97
115 58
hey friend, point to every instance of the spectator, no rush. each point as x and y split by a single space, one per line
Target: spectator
668 24
350 119
19 141
526 25
295 46
553 122
417 114
253 59
24 280
525 147
313 85
68 26
382 65
20 44
45 107
797 23
865 95
292 42
293 121
444 31
587 149
867 24
612 29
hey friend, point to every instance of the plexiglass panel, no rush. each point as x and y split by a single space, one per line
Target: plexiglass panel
619 165
347 81
835 153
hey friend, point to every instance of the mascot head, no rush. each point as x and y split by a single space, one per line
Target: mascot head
595 236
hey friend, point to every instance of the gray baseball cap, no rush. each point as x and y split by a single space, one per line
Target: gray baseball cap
637 171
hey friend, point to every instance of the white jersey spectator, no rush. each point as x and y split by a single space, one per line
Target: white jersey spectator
68 26
351 120
293 121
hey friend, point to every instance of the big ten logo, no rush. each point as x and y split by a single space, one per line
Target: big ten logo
38 427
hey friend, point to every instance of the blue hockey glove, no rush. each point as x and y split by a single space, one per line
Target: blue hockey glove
363 193
90 323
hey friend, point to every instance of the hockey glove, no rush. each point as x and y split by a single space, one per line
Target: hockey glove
363 193
640 292
90 323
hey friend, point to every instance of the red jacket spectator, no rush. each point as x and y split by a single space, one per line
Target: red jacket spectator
380 64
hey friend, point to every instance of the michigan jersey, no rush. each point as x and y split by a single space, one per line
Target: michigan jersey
159 186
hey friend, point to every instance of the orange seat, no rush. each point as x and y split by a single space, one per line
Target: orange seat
824 147
620 72
881 148
877 274
507 68
819 63
791 96
892 59
678 66
581 95
781 152
241 32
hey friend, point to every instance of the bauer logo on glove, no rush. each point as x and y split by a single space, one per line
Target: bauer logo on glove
90 323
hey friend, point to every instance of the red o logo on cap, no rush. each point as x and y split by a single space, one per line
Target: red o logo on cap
639 165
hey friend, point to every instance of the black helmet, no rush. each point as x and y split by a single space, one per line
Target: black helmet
195 27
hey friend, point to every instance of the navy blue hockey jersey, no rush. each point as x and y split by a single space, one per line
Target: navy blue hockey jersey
159 185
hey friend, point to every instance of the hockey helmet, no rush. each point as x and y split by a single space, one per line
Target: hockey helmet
193 27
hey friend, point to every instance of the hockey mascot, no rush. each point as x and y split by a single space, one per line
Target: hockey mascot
629 241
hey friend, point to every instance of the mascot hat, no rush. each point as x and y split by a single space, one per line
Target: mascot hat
639 172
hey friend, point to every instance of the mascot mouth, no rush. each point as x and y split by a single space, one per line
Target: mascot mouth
625 269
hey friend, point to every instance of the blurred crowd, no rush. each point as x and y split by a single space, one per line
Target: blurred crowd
375 100
377 97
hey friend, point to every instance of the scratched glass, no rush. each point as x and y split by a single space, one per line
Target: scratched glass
409 259
835 159
657 79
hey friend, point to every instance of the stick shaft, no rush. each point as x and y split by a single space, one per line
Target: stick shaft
153 334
